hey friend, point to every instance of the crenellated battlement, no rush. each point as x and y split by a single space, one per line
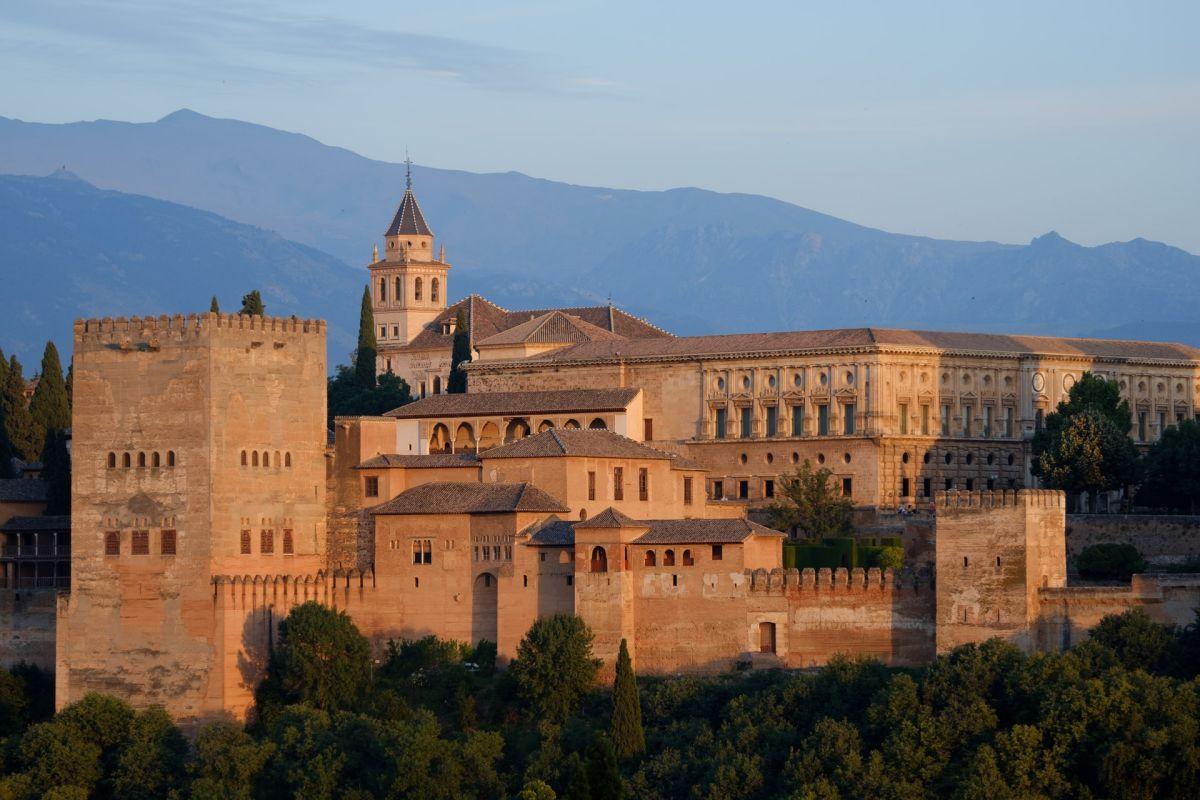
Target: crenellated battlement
835 580
150 332
956 501
238 591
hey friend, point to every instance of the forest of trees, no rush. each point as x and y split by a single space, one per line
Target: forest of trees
1117 716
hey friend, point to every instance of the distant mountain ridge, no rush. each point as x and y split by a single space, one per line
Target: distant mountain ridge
690 260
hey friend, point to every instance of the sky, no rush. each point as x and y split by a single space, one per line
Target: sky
996 121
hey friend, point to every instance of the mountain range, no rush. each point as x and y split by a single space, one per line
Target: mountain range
189 206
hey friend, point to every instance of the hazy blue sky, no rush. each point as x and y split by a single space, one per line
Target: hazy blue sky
956 119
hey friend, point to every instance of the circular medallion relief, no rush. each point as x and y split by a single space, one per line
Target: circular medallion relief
798 380
1039 382
1068 382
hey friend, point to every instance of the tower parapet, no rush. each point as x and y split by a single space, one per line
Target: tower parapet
149 331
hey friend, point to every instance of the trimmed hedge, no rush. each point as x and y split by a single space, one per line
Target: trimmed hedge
1110 561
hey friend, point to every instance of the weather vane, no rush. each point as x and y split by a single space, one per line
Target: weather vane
407 169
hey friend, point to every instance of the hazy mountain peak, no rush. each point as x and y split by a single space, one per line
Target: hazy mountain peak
64 174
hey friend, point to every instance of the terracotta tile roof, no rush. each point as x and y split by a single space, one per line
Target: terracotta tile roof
551 327
512 403
471 498
610 518
551 531
51 523
409 219
866 338
416 461
576 442
23 490
702 531
486 319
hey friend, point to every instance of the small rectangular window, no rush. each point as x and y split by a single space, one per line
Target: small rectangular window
743 490
1008 422
903 414
591 485
427 551
768 488
618 483
167 542
797 420
570 580
747 421
266 542
416 552
687 491
927 487
643 484
718 490
1141 426
371 486
289 542
823 420
718 552
924 420
968 411
848 411
772 420
847 487
949 484
970 484
721 423
140 545
395 331
649 430
904 487
383 331
945 419
112 543
245 543
541 557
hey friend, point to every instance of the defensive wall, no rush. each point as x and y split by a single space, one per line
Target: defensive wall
1161 538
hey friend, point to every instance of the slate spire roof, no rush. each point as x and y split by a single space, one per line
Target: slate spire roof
409 221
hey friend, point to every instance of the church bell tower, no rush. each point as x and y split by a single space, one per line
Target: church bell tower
408 284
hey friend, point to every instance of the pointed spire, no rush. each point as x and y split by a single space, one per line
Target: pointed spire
407 171
374 253
442 254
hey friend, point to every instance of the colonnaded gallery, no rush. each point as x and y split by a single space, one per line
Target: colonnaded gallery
597 465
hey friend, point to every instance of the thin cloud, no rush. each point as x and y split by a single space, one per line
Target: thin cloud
273 44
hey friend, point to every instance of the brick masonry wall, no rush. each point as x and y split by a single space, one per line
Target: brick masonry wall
1161 539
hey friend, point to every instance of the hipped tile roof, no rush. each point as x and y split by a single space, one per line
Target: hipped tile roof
430 461
471 498
23 490
511 403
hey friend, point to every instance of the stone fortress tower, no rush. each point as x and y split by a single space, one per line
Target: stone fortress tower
199 452
408 285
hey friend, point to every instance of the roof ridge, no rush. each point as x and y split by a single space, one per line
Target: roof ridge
558 439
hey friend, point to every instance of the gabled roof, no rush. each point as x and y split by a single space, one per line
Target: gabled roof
23 490
610 518
576 442
408 220
702 531
551 327
416 461
552 532
471 498
516 403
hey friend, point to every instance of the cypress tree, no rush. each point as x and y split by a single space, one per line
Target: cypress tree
50 408
629 739
22 430
364 357
603 776
577 787
213 307
460 355
70 384
56 471
252 304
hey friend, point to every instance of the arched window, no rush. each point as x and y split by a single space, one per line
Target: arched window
433 290
254 458
170 458
278 463
571 424
383 290
244 458
126 460
141 459
155 460
598 425
417 289
650 559
545 425
668 558
599 560
399 292
287 459
582 514
112 460
688 561
266 458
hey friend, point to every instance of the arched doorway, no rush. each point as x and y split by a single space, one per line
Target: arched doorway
439 441
766 637
516 429
464 439
489 436
599 559
484 602
597 425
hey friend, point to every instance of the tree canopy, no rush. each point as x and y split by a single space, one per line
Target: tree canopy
628 737
50 407
1087 453
1172 470
252 303
810 502
320 660
22 430
554 667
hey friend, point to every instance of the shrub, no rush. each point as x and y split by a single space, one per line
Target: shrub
1110 561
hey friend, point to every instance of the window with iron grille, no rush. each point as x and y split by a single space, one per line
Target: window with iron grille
371 487
167 542
643 484
266 542
618 483
245 543
141 543
112 543
687 491
289 544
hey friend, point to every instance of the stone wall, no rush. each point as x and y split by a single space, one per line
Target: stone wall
27 627
1067 613
1162 539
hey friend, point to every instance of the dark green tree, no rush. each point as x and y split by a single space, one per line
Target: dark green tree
628 736
347 397
214 307
321 659
810 503
252 303
365 354
56 471
577 786
461 354
554 667
1138 641
1087 453
604 777
50 408
227 762
1171 470
12 704
70 381
536 790
19 423
153 761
